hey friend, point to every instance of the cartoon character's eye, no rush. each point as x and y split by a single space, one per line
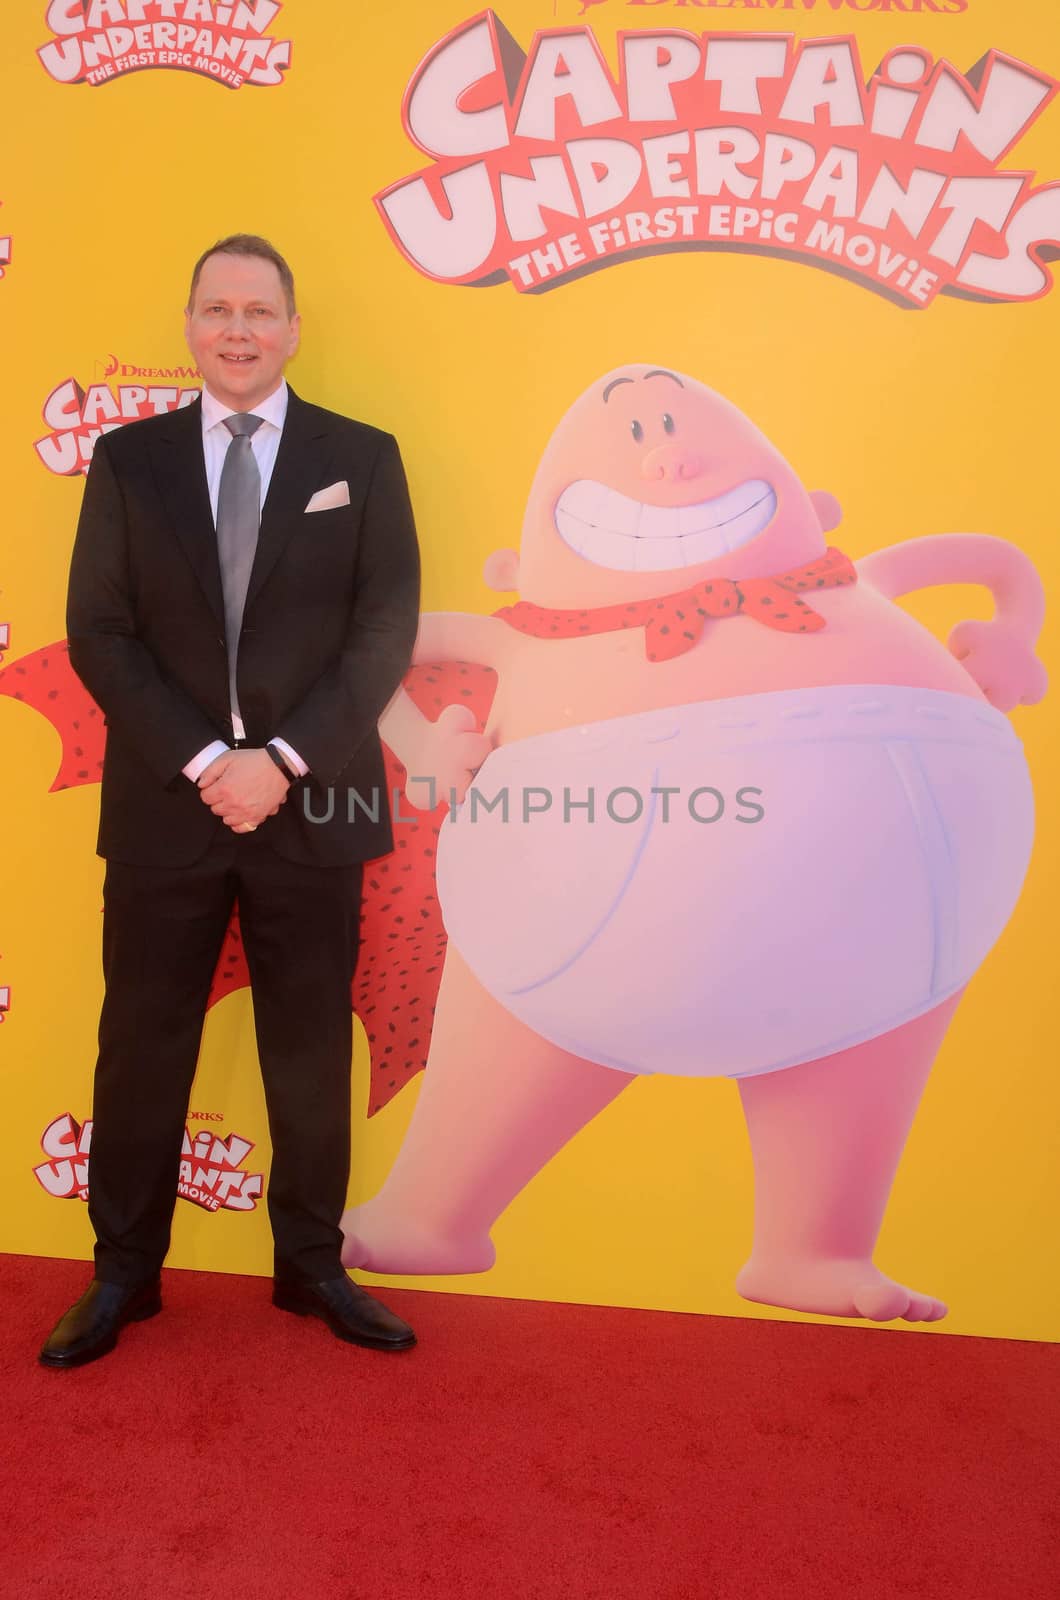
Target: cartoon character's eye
668 422
636 430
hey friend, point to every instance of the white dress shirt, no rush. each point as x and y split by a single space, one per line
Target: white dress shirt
265 443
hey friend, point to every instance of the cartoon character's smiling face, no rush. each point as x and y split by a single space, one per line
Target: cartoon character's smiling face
659 528
652 482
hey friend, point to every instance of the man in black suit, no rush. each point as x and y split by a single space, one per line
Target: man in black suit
243 603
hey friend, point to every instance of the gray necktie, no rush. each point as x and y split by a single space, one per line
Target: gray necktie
238 516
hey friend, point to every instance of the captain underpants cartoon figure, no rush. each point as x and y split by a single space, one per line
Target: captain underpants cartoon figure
687 640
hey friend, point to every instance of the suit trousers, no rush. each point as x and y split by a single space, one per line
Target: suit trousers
163 929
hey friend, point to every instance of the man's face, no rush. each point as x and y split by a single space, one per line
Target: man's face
239 329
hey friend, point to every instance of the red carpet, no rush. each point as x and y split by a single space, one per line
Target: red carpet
227 1451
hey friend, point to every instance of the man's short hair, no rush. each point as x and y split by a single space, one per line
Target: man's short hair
247 244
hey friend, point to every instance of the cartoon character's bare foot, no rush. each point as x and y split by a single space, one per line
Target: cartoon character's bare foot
836 1289
378 1245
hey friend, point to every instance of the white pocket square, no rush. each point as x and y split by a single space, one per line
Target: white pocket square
336 494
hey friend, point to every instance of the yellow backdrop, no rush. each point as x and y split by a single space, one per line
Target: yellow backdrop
920 421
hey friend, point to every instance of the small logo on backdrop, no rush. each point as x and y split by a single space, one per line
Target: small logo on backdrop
76 417
211 1168
547 165
5 640
95 41
112 366
5 1001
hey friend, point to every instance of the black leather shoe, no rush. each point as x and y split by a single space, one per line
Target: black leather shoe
349 1311
90 1328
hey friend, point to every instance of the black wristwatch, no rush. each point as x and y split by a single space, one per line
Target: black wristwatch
275 756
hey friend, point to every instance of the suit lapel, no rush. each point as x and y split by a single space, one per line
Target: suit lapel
296 475
181 470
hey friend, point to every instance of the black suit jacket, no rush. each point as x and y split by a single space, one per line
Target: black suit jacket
328 629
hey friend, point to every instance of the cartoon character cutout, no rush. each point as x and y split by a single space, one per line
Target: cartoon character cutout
733 813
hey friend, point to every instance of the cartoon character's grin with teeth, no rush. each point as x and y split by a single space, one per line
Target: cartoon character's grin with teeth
610 529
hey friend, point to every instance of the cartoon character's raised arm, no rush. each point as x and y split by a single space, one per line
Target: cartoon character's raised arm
998 654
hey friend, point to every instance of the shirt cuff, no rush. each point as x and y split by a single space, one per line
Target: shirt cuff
198 764
292 757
